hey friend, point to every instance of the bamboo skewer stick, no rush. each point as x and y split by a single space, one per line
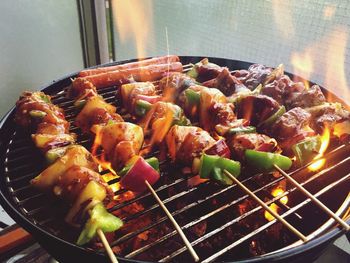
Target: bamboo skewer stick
173 221
266 207
105 243
314 199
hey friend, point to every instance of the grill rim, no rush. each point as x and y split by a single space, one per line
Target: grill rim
7 126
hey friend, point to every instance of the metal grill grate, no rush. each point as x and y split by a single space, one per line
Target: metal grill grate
191 206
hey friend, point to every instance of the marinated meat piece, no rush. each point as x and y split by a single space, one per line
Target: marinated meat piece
255 75
256 108
291 127
35 107
132 91
207 70
278 89
120 141
306 98
187 142
225 82
260 142
96 111
173 84
327 114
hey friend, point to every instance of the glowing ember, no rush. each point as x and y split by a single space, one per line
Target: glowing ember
319 162
276 192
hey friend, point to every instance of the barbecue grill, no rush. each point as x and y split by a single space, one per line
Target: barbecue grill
235 225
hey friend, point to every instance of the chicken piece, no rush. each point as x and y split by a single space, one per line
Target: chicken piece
96 111
35 107
208 98
133 91
306 98
173 84
292 127
120 141
225 82
187 142
161 117
75 155
259 142
70 184
327 114
255 75
256 108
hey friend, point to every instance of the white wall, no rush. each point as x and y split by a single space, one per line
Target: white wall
39 42
263 31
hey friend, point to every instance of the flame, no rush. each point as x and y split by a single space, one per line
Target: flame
132 23
276 192
303 66
319 162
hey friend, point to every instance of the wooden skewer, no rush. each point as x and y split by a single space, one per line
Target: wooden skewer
105 243
314 199
266 207
173 221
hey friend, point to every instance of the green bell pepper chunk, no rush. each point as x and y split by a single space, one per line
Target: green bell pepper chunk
79 104
99 219
53 154
153 161
192 97
264 161
142 107
37 114
307 149
212 167
241 130
179 117
193 73
274 117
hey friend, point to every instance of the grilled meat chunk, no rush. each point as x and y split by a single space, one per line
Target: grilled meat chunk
120 141
187 142
291 127
225 82
173 84
255 75
305 98
256 108
75 155
96 111
206 71
259 142
327 114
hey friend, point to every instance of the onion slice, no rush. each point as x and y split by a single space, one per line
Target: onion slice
135 179
220 148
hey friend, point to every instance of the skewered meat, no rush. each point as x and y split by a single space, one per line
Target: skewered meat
252 77
120 141
254 141
292 127
75 155
161 117
225 82
327 114
96 111
132 92
173 84
256 108
35 107
306 98
204 70
187 142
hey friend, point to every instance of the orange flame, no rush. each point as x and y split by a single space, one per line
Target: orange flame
276 192
132 22
303 66
319 162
